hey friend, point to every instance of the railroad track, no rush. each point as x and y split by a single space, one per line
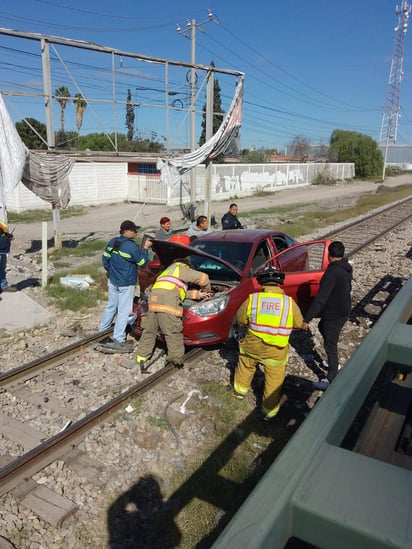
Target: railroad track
360 234
63 444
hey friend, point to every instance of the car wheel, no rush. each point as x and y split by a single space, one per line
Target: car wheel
237 332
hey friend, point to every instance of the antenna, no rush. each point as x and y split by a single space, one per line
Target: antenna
391 110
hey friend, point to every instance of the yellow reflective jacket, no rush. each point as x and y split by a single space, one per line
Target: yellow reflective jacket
171 288
270 317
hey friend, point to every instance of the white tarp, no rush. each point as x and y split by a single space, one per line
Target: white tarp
45 175
172 168
13 155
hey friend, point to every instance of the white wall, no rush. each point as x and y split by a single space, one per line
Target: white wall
93 183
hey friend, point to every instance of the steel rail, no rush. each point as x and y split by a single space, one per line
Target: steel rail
25 371
58 445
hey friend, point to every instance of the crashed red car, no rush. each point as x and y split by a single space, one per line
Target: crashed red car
231 258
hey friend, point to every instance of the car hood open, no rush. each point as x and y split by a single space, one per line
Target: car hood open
167 252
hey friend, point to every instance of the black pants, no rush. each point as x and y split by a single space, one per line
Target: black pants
330 330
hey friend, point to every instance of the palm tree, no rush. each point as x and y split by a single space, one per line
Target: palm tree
62 94
81 104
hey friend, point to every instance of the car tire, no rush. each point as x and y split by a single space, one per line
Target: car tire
236 333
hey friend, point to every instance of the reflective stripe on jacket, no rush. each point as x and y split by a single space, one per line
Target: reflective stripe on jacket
270 317
169 280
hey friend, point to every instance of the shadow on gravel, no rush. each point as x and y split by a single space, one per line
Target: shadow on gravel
28 283
141 518
375 302
69 243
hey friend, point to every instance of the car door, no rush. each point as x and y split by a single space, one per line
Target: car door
303 285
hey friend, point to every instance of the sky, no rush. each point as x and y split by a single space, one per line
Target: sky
310 66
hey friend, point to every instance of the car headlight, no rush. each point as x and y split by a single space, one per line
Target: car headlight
209 308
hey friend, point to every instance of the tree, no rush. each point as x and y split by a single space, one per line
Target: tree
29 136
81 104
62 95
129 116
101 142
358 148
66 140
253 156
218 112
299 147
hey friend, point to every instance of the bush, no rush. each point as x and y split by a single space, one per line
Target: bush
391 171
324 178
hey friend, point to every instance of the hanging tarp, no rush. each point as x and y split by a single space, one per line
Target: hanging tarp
48 177
13 152
172 169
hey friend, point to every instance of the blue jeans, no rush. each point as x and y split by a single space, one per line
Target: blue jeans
3 265
120 303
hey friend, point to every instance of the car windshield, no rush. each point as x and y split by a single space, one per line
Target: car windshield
236 253
216 271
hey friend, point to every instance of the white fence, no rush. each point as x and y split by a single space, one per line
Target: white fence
96 183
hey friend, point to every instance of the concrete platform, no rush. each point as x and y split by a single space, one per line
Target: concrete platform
19 312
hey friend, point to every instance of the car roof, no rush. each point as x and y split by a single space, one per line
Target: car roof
240 235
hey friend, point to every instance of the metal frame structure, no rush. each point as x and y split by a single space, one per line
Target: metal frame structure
47 40
391 112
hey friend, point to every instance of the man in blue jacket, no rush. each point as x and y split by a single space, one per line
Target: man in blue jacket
121 258
333 304
5 244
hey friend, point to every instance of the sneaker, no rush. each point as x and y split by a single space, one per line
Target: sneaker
326 365
239 396
118 346
321 385
9 289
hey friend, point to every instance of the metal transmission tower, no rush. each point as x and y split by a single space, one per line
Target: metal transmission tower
390 117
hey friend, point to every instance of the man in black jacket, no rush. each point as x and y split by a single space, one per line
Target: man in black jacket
333 305
230 220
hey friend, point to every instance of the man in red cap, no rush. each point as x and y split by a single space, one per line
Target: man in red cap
121 258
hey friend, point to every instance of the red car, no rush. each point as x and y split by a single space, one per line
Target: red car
231 258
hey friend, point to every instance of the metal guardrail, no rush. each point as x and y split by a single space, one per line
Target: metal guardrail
326 495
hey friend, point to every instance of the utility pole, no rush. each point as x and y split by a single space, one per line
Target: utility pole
390 117
190 33
45 56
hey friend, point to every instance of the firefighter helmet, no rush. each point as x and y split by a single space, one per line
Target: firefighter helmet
270 276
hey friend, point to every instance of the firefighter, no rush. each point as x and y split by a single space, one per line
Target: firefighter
270 316
166 310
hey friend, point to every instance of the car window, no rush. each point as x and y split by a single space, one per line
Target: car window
282 242
262 254
214 269
236 253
